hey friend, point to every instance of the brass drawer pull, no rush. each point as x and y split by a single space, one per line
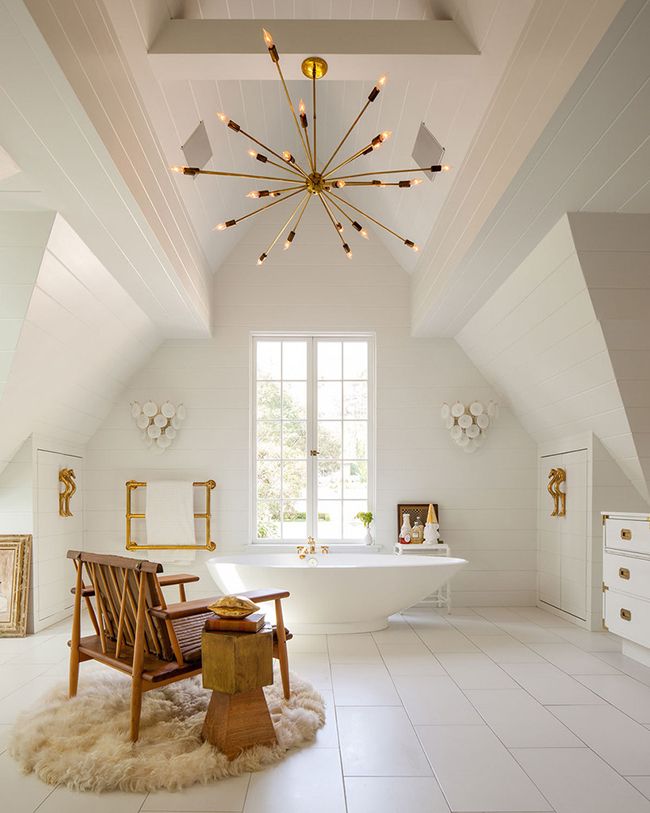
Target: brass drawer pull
623 573
626 534
626 615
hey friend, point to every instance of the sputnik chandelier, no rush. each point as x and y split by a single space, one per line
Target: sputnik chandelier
310 180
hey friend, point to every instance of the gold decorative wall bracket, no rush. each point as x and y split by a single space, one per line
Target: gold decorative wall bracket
67 488
131 544
556 478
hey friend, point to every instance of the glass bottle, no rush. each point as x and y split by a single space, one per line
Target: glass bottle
417 532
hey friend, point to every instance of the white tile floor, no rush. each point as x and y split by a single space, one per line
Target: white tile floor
483 711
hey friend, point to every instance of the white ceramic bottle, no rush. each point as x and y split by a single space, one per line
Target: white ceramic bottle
405 530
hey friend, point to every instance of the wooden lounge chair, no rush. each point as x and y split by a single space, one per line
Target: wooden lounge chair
137 632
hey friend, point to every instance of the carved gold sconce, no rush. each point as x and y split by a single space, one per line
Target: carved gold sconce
555 479
67 488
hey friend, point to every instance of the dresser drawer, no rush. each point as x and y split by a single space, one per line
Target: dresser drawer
628 617
627 574
632 535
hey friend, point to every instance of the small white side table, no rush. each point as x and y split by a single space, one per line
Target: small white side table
439 598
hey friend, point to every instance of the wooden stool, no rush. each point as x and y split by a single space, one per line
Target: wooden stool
236 665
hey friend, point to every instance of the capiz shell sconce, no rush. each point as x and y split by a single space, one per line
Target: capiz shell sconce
468 423
159 424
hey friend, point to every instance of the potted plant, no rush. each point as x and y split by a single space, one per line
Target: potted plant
366 517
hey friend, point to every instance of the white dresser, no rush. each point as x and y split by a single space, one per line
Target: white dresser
626 581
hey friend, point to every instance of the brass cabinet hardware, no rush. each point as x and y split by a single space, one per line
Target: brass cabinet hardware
67 480
605 588
626 615
626 534
623 573
314 452
556 477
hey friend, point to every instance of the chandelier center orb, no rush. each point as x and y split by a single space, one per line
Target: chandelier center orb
314 67
316 183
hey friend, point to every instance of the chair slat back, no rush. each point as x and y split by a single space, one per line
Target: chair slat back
116 582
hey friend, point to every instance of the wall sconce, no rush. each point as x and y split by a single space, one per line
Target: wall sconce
468 425
159 424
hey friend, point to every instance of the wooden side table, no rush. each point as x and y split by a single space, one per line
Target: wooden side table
236 665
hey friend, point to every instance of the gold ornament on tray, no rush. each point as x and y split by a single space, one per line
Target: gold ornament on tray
233 607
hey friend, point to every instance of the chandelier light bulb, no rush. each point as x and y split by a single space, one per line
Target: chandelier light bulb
253 194
364 234
223 117
339 227
288 157
381 81
303 114
338 184
252 153
274 194
261 259
176 169
416 181
289 240
446 167
268 38
220 227
348 253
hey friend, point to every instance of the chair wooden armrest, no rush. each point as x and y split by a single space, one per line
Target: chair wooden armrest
265 595
180 579
184 609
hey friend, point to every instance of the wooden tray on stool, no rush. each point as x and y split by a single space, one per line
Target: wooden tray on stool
252 623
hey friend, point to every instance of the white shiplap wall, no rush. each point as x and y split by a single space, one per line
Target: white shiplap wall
81 339
539 340
487 501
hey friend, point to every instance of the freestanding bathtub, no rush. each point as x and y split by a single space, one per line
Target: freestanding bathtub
336 592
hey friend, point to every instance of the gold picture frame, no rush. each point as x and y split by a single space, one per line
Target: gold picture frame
15 564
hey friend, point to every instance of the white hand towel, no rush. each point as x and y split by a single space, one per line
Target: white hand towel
170 520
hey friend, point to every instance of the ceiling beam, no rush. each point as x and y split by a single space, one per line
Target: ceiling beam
234 49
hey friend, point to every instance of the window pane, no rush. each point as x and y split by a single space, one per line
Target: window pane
294 361
355 440
329 400
294 519
355 399
355 480
329 361
294 400
329 519
329 479
355 360
353 528
294 480
329 439
268 360
268 439
294 439
268 520
268 400
269 479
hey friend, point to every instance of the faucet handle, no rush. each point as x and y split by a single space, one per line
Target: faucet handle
324 548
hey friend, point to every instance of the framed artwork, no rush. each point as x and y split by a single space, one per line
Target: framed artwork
15 562
414 510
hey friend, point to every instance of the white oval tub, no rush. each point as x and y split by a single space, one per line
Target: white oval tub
345 592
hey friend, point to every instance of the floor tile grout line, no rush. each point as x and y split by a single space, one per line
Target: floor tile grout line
336 722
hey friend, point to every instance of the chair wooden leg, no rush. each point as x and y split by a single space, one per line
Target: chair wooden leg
136 707
283 656
74 672
75 638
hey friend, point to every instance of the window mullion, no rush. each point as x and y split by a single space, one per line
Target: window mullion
312 438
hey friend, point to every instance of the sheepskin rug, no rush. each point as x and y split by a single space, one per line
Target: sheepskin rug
84 743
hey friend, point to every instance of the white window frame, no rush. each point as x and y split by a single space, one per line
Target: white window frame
312 424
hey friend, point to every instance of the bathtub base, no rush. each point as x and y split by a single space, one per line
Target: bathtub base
338 628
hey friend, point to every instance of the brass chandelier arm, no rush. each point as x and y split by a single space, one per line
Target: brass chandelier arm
195 171
321 197
345 137
302 212
342 211
266 206
313 109
353 157
434 168
303 203
284 165
365 214
293 113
